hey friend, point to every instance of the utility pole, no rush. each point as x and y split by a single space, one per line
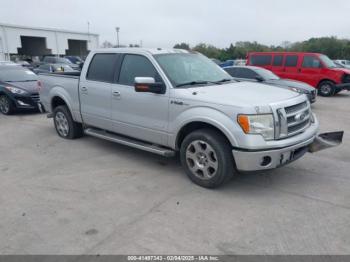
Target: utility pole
117 29
88 24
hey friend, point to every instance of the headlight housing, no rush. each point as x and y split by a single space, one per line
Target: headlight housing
258 124
15 90
297 90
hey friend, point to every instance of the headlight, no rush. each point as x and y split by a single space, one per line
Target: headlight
297 90
258 124
15 90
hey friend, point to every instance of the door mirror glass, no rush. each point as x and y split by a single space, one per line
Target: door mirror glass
148 85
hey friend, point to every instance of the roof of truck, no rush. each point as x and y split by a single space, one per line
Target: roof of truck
153 51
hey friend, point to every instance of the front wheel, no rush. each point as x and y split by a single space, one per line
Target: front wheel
65 125
326 88
207 158
6 105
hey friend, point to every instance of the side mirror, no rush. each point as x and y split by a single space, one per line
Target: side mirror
259 79
148 85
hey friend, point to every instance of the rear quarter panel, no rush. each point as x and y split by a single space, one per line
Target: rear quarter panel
65 87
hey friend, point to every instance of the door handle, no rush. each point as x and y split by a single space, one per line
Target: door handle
116 94
83 88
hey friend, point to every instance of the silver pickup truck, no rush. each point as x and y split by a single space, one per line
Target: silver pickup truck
168 101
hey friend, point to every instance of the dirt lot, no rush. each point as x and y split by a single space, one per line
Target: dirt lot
91 196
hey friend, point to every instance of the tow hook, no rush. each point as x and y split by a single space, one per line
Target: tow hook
326 140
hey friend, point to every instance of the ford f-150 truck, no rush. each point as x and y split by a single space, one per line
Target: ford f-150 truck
168 101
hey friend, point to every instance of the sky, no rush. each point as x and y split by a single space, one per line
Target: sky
163 23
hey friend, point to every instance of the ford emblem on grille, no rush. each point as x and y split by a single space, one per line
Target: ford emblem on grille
300 117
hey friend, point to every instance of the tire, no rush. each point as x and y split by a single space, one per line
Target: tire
6 105
207 158
64 124
326 88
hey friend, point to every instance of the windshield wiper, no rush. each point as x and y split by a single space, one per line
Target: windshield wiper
193 83
225 80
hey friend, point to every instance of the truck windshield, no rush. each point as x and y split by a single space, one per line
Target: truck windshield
189 69
327 61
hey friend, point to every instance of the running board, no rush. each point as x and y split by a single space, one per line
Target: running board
129 142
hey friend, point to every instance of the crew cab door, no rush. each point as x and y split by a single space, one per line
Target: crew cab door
95 89
139 115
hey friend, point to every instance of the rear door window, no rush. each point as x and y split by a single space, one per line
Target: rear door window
232 71
136 66
261 60
102 68
247 73
277 60
291 61
311 62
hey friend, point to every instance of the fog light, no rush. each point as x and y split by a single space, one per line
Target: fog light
265 161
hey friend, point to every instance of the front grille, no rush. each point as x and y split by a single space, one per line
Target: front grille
35 97
293 120
346 79
297 127
295 108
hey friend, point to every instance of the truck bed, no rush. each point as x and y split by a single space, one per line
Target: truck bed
65 85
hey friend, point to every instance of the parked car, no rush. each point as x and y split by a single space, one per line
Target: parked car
18 89
164 101
314 69
75 59
344 63
339 65
262 75
59 60
227 63
25 64
53 68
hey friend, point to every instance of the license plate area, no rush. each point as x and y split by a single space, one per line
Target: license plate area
292 155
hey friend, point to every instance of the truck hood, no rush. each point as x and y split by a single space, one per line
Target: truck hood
237 94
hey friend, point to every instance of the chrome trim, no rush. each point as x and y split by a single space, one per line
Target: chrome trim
129 142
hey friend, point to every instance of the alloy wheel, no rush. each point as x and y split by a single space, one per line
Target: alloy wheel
202 160
62 124
326 89
4 105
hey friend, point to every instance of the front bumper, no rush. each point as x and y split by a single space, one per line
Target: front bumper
345 86
263 160
312 96
31 101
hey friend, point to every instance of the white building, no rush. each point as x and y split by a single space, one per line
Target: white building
30 41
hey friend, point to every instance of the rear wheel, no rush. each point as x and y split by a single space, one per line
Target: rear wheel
65 125
207 158
326 88
6 105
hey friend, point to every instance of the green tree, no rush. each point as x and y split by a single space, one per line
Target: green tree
182 46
